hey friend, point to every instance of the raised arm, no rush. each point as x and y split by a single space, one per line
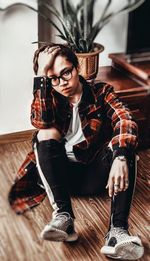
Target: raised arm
42 111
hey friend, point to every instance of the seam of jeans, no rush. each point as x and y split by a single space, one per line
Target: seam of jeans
45 183
136 159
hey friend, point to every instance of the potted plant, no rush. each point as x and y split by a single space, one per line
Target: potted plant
79 30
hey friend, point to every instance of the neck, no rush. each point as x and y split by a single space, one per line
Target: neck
75 98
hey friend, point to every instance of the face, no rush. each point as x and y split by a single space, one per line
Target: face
67 87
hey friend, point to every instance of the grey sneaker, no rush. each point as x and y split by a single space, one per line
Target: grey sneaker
61 228
120 245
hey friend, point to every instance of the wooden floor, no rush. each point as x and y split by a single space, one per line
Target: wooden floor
19 235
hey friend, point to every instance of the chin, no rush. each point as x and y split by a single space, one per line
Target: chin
65 94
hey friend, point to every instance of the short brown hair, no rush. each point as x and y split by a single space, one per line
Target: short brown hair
64 51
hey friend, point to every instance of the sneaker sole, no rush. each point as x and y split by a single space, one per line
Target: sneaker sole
130 251
59 235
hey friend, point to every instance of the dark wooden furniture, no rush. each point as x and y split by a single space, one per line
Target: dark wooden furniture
135 65
134 93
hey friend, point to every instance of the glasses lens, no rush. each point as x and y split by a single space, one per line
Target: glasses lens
66 75
55 81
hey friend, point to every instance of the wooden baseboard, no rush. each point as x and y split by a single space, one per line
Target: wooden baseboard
16 136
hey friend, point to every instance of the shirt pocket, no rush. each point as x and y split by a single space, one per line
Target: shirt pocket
94 120
94 115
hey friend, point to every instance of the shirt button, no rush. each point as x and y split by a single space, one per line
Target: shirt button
42 79
69 116
25 170
41 84
99 115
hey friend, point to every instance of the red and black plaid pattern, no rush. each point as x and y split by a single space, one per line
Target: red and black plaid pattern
104 118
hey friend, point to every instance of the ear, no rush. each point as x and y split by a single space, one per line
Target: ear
78 68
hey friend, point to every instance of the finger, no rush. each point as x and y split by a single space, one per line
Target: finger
116 185
126 179
126 182
116 190
111 188
53 50
54 47
46 50
122 184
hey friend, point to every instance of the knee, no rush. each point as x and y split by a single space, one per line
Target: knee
47 134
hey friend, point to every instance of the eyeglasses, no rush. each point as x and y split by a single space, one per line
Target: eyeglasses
66 76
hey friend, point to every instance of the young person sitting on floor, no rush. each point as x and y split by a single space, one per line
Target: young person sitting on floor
73 153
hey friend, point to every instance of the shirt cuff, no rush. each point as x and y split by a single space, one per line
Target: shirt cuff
123 151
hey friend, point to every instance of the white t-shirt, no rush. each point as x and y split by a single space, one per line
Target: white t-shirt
75 133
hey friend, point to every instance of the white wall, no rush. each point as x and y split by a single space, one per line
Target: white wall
113 35
18 28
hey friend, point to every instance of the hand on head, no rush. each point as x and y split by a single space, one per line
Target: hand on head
46 59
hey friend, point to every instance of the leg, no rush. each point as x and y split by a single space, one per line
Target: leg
90 179
119 243
121 203
51 162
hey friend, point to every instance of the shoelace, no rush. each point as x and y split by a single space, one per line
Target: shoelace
123 234
118 232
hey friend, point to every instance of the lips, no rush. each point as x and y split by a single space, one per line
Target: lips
66 89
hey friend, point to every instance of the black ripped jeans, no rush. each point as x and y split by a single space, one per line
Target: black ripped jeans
65 178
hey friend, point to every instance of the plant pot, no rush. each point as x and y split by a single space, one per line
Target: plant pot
89 62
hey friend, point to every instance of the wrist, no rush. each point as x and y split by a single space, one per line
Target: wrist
42 72
123 151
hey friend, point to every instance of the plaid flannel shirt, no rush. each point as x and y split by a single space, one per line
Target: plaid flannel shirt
104 119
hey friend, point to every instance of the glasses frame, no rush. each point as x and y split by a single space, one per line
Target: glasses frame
61 77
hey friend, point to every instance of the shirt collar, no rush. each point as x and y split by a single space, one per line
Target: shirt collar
88 96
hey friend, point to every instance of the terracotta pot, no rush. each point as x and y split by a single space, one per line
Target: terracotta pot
89 62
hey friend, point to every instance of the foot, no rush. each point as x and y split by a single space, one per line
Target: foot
120 245
61 228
